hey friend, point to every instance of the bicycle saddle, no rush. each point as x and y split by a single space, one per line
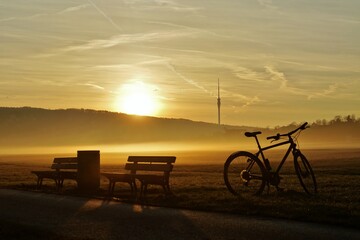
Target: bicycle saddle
252 134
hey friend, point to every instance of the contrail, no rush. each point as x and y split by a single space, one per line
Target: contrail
106 16
172 68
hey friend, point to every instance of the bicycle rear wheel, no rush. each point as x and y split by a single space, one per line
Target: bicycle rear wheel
244 174
305 173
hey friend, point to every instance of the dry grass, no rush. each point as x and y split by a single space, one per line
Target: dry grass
200 186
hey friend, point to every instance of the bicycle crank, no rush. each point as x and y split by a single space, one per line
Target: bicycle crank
245 176
274 179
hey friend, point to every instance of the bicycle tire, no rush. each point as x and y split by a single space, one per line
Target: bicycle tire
244 174
305 173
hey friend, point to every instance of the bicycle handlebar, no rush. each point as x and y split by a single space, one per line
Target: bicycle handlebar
277 136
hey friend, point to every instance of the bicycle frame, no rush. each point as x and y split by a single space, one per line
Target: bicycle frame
292 148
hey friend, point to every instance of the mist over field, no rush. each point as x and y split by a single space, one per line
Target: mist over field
31 138
34 130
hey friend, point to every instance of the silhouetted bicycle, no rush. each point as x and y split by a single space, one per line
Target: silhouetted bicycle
245 173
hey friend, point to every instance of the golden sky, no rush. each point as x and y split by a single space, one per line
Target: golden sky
278 61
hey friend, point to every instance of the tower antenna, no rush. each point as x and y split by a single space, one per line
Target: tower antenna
218 102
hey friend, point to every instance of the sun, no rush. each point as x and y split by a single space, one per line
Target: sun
138 98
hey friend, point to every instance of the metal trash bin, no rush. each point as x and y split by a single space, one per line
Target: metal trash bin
88 171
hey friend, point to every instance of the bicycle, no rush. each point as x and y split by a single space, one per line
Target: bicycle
245 173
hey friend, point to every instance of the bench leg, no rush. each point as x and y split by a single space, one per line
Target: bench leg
112 188
133 186
109 188
59 184
39 182
145 189
142 189
168 189
165 189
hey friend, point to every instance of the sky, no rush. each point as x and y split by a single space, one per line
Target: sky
278 61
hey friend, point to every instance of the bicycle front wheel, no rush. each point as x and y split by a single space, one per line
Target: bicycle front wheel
305 173
244 174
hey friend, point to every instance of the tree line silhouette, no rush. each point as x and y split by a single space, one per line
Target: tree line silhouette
28 126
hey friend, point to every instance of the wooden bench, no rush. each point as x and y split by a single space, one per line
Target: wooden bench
149 170
64 168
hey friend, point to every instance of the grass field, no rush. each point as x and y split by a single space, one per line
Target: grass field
197 183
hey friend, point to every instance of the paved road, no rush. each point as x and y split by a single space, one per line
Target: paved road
27 215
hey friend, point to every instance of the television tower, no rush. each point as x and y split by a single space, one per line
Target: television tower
218 102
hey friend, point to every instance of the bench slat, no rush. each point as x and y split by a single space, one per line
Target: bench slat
164 159
64 166
66 160
149 167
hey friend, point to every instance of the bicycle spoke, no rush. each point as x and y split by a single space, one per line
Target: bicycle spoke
256 177
243 174
305 174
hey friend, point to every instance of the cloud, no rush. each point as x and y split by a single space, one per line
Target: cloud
343 20
268 4
278 76
162 4
109 19
38 15
282 80
330 90
73 9
126 38
156 61
248 74
186 79
93 86
7 19
188 28
35 16
97 87
245 101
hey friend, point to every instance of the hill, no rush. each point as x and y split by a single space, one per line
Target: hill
27 127
35 126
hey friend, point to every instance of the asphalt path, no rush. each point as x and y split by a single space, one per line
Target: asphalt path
33 215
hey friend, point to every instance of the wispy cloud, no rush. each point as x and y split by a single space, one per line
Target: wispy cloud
38 15
280 77
7 19
186 79
268 4
343 20
126 38
73 9
98 87
44 14
115 66
326 92
107 17
162 4
93 86
176 6
188 28
245 101
244 73
156 61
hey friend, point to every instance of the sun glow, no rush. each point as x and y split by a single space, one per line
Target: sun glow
138 98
